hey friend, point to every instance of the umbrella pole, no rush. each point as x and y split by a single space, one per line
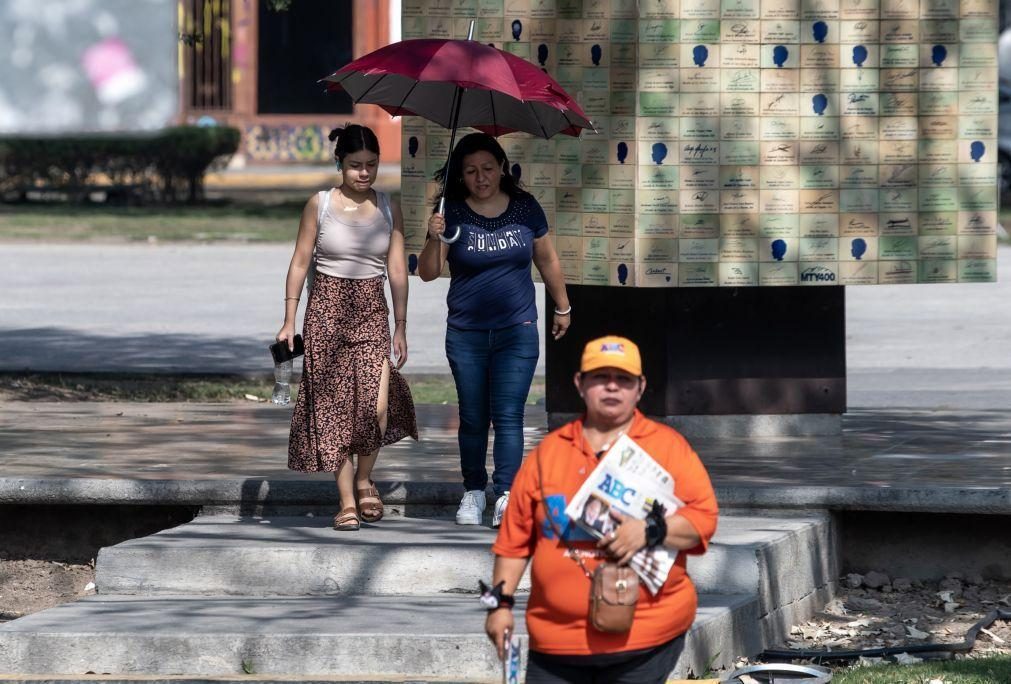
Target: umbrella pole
457 101
454 121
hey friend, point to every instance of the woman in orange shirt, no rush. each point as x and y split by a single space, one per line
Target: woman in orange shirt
564 647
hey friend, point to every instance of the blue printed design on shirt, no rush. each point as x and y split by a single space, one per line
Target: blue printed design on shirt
491 286
555 508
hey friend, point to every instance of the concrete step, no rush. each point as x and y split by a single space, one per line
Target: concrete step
370 637
780 560
299 557
790 563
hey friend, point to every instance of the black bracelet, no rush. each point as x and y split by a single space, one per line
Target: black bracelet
493 598
505 601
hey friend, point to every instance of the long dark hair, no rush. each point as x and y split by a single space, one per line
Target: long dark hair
469 144
353 138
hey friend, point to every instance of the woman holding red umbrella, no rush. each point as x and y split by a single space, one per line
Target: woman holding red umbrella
491 336
491 332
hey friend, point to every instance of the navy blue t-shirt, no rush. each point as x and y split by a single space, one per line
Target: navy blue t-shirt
491 284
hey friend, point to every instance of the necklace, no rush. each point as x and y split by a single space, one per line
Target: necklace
609 444
353 207
606 446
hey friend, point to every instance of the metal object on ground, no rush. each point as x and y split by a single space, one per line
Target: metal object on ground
781 673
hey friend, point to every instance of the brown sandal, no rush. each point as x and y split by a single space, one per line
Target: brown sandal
347 520
371 511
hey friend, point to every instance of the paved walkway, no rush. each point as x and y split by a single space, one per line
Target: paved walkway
939 351
214 308
881 448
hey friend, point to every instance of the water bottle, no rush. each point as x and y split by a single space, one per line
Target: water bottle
282 383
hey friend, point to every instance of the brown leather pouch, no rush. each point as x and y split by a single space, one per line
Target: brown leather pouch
613 595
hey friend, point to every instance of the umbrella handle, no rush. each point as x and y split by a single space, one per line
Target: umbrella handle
454 238
456 235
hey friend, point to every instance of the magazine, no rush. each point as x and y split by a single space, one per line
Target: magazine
627 480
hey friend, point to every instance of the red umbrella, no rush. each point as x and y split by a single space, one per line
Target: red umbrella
461 83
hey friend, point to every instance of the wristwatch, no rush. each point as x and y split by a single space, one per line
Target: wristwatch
654 533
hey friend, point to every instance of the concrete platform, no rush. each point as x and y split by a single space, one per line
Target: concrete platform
438 637
233 456
222 595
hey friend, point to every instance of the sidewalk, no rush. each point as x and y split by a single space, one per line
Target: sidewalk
214 309
885 459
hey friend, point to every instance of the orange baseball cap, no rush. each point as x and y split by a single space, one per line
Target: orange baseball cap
611 352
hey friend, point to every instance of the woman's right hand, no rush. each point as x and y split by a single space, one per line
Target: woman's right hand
496 625
287 334
436 226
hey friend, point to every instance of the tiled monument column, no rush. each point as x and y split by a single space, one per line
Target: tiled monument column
751 158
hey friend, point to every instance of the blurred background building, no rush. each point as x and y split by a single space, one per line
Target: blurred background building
255 67
114 65
135 65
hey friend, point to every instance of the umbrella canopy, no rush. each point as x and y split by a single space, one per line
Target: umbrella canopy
496 92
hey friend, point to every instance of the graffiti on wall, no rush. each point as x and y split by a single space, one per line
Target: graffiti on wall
289 143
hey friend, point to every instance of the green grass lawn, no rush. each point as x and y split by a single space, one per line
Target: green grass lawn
264 217
209 222
440 389
989 670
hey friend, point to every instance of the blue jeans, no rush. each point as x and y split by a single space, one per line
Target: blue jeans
493 370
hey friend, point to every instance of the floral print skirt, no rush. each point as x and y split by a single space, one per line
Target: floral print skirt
347 340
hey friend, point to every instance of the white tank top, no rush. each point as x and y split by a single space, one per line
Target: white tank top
351 248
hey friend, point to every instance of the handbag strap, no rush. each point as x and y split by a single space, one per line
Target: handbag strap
554 526
324 205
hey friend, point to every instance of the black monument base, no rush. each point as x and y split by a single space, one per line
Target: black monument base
754 357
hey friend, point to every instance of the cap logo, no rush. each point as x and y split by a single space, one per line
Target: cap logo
612 348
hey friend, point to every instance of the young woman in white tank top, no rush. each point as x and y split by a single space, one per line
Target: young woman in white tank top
352 399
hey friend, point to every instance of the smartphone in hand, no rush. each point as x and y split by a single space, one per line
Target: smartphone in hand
280 352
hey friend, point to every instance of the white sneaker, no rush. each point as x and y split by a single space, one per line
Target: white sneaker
500 508
471 508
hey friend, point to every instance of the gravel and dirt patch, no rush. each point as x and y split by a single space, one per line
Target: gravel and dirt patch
426 388
877 611
47 553
28 586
